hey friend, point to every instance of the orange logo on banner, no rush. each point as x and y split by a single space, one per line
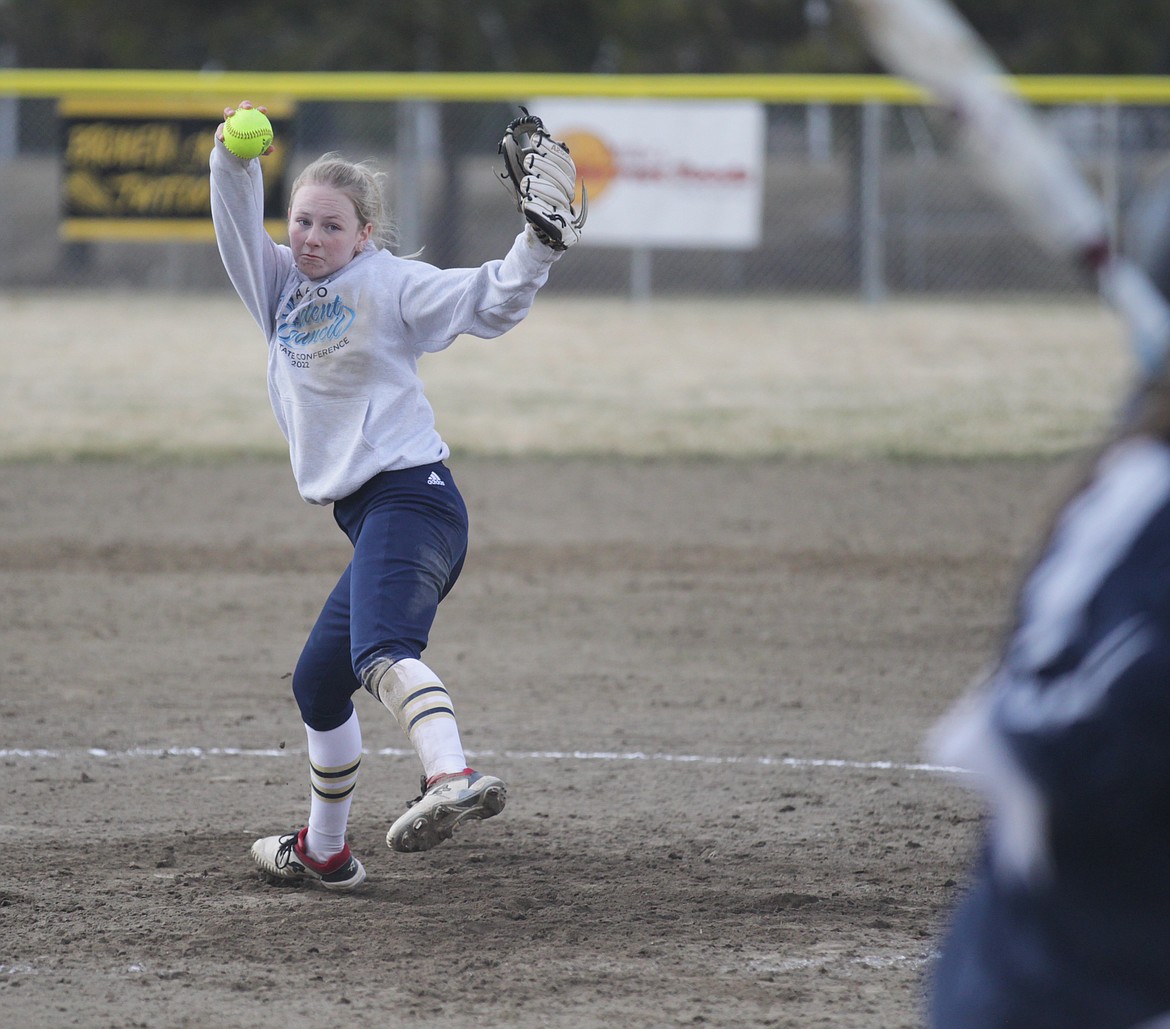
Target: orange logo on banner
596 166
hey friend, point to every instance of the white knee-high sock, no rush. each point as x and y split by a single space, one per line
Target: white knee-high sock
420 702
334 757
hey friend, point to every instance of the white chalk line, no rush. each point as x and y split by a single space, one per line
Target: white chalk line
761 964
509 755
777 963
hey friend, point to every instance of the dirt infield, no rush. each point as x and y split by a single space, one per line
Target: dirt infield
706 682
728 565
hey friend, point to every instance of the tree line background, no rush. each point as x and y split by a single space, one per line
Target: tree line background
1107 37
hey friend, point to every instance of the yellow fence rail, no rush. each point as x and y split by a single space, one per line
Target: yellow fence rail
225 87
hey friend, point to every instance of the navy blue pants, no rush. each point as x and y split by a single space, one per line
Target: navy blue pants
409 534
1081 959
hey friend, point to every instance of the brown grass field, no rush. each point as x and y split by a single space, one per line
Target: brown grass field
95 374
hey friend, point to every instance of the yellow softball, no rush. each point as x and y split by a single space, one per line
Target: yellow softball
248 132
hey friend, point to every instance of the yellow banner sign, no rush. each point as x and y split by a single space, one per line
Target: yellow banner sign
136 170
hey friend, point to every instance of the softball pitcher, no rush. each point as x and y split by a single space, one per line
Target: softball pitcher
346 322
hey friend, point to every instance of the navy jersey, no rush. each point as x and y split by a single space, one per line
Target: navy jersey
1067 921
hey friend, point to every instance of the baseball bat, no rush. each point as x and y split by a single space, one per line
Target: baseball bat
930 44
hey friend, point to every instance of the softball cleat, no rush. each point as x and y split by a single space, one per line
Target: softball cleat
447 802
283 859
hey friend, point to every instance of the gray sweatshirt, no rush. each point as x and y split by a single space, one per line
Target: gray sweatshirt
343 351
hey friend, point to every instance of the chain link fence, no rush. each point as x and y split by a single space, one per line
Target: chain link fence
867 198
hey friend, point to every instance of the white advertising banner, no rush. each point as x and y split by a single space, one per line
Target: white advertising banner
665 173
